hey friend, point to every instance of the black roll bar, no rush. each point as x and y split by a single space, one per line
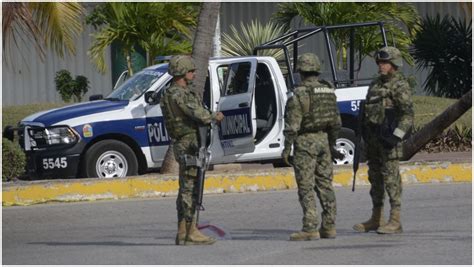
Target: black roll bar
293 37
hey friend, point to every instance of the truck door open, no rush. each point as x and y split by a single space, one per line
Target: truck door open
237 83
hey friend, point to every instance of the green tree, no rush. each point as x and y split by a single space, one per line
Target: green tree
43 24
368 40
444 48
157 27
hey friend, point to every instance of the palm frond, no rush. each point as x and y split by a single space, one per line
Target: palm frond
43 24
60 24
444 47
395 15
242 41
18 24
160 28
103 40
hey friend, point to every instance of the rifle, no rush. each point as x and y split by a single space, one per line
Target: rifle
355 164
202 164
200 161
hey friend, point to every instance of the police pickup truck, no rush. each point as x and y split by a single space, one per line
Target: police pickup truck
124 134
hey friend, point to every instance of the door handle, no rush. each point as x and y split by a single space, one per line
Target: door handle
245 104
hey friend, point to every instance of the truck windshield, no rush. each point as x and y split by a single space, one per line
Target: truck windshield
135 86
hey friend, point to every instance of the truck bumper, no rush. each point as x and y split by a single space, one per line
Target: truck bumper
54 163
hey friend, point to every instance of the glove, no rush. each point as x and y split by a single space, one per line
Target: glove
286 156
391 141
336 154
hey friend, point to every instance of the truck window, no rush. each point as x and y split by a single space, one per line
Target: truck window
136 85
234 78
162 89
265 102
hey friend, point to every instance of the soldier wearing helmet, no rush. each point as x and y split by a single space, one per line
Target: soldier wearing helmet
312 124
387 119
184 112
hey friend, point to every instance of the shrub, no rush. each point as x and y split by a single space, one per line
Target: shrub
13 160
69 88
454 139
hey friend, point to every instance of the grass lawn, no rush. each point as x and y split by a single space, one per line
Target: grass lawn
426 108
13 114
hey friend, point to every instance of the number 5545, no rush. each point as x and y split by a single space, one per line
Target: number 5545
51 163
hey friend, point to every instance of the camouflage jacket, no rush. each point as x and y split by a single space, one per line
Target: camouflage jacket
311 109
392 93
183 111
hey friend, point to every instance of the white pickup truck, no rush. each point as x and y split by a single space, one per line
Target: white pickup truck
124 134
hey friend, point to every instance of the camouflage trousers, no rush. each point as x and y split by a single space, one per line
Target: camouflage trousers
384 174
313 172
187 194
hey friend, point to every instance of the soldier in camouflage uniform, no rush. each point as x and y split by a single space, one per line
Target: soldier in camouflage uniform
184 112
387 120
312 124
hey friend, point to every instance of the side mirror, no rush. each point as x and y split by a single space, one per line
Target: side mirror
152 98
96 97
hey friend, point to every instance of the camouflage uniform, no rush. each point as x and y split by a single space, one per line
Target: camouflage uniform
388 94
184 112
312 124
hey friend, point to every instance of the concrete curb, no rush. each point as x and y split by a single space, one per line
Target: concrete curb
27 193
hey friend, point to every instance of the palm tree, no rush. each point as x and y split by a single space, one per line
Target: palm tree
44 24
202 44
241 42
368 40
154 26
437 125
202 49
443 47
157 44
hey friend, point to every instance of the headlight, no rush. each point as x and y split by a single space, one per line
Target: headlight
59 135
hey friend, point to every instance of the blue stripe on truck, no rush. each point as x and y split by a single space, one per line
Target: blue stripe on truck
83 109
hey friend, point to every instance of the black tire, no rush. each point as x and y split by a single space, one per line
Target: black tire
346 144
109 159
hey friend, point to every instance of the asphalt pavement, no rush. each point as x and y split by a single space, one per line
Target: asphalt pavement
437 222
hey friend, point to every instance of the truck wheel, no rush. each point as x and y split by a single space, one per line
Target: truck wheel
109 159
345 143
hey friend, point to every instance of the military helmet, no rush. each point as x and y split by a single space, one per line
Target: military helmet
180 65
390 54
308 62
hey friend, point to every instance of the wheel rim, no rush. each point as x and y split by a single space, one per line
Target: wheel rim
346 147
111 164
